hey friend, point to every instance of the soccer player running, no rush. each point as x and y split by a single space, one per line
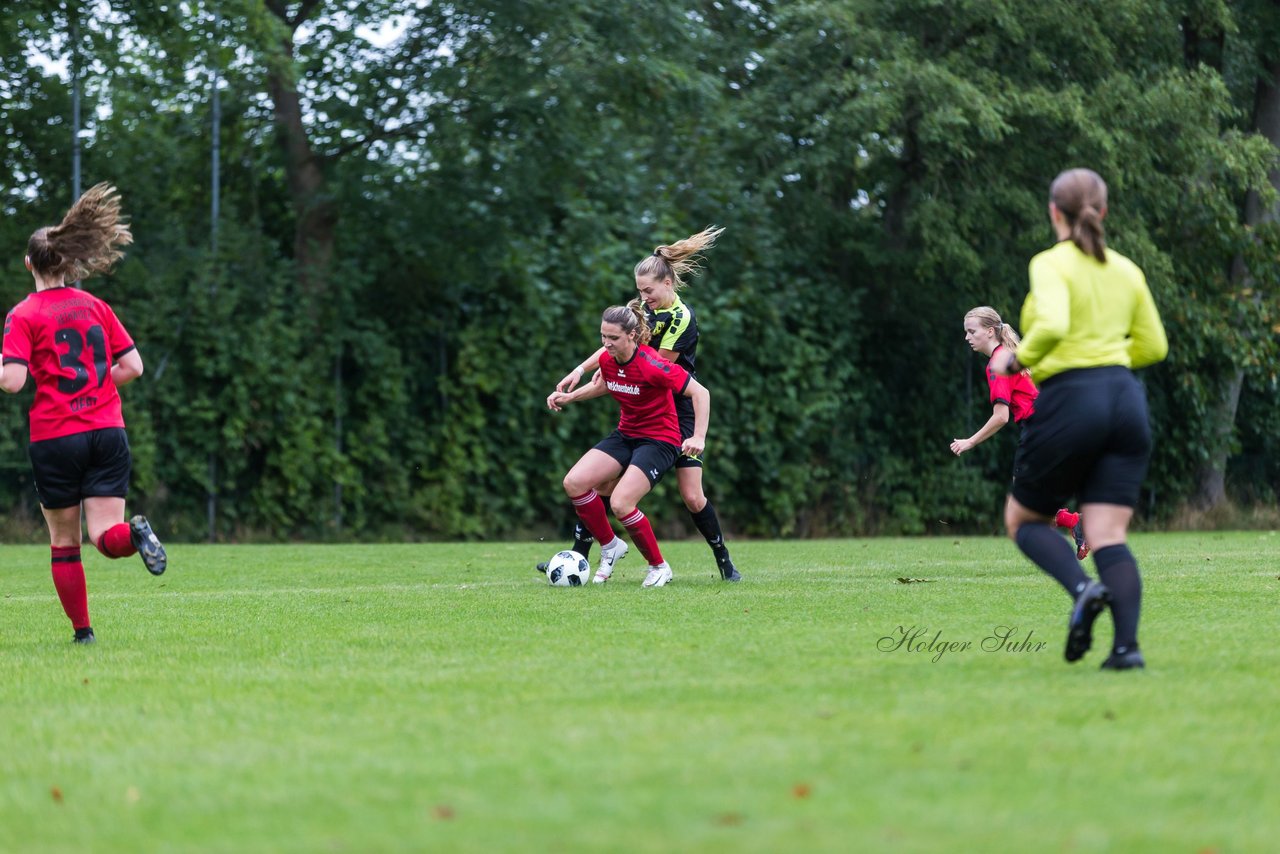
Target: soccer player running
1012 396
78 353
645 445
659 279
1089 321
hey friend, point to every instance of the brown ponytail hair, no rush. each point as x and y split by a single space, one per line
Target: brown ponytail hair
85 243
680 258
631 318
1081 196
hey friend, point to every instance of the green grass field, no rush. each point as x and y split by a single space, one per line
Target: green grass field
444 698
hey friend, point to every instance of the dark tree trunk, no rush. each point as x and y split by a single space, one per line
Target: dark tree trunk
1210 488
1211 479
317 217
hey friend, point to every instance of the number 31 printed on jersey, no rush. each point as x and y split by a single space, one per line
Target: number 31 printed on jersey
97 341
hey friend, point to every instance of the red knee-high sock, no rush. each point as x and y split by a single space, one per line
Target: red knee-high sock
117 541
590 509
68 579
637 525
1067 519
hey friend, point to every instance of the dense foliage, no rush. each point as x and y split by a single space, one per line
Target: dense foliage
424 207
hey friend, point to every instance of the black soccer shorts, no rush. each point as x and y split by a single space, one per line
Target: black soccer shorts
651 456
92 464
1089 438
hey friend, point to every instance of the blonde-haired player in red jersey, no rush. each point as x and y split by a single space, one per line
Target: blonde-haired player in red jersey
1013 398
77 351
644 446
660 278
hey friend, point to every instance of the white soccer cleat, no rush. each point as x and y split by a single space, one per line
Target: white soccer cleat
658 575
608 557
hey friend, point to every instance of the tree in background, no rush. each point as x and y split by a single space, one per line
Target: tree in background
426 206
939 134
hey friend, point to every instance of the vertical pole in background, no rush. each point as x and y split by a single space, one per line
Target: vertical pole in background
73 19
968 392
73 15
337 432
211 507
216 155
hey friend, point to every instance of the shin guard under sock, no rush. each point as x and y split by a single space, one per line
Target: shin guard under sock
637 525
1118 569
117 542
68 580
1050 551
590 509
708 524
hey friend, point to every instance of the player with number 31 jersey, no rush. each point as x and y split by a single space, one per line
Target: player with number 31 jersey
68 339
78 353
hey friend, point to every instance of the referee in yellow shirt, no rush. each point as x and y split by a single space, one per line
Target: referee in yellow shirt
1088 321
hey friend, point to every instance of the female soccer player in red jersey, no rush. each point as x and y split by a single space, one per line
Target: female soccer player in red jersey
1013 395
645 445
1090 320
79 353
659 279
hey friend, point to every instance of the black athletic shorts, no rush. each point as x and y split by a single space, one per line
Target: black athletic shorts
684 411
652 457
1089 438
93 464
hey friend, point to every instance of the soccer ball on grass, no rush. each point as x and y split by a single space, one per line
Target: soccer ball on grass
568 569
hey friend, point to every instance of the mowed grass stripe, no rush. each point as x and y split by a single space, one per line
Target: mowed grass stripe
443 697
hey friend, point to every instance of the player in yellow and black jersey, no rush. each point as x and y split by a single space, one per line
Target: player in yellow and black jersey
659 279
675 337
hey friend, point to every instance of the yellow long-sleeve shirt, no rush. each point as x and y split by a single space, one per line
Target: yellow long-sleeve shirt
1085 314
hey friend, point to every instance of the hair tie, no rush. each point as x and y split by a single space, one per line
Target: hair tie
657 253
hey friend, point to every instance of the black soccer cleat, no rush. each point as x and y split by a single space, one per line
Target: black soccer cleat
84 635
542 567
1089 605
1124 659
148 545
728 572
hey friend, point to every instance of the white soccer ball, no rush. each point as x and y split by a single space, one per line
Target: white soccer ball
568 569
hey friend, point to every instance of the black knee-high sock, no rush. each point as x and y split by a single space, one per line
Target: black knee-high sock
1049 550
582 538
1118 569
709 526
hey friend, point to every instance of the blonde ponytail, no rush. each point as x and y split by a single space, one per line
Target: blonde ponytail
680 259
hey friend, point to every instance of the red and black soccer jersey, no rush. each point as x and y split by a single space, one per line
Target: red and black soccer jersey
643 386
68 339
1017 392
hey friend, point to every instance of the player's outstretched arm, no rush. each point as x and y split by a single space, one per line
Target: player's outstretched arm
596 388
572 378
999 418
